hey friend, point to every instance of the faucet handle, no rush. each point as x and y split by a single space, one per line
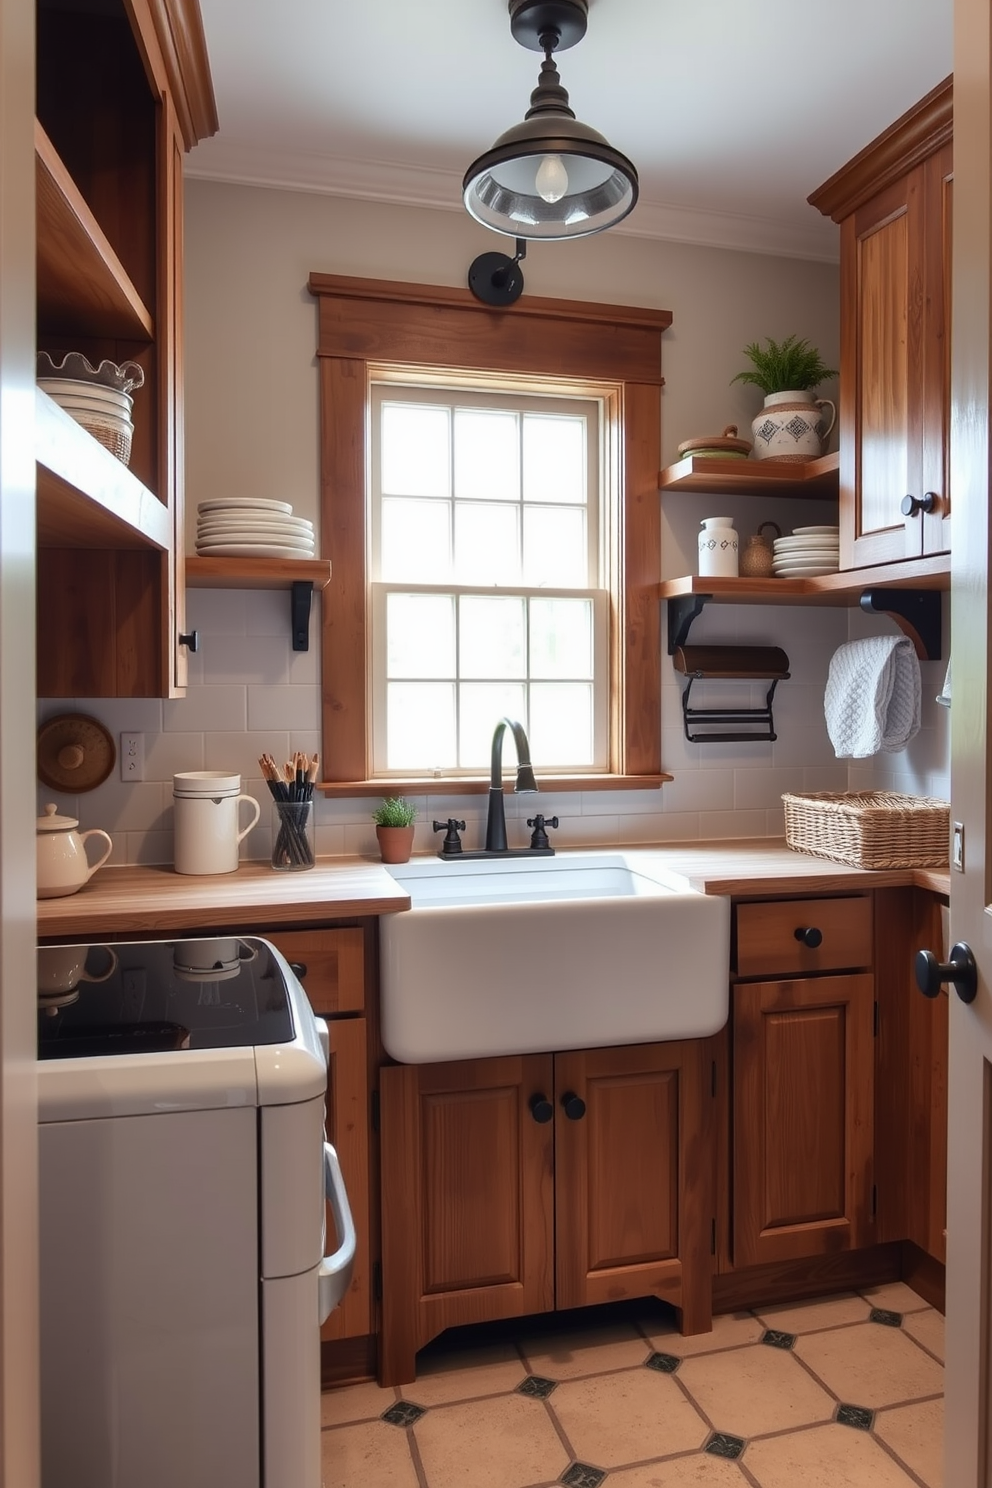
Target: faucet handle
452 843
539 837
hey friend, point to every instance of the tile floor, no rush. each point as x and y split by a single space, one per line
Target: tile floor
839 1392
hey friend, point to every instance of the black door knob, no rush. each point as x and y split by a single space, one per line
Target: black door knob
809 935
961 971
573 1105
541 1108
911 506
298 968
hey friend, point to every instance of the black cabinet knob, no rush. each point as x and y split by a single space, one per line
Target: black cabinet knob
809 935
911 506
541 1108
573 1105
190 638
298 968
960 971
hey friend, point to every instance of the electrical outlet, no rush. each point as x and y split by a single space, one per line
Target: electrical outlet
132 756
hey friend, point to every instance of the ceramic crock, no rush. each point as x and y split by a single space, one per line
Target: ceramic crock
63 866
792 427
207 831
718 542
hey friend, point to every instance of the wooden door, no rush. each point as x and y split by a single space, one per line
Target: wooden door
802 1113
882 374
938 247
347 1127
633 1177
968 1377
467 1199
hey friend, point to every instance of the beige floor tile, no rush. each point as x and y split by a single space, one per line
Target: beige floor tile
354 1403
916 1434
627 1417
567 1355
818 1312
927 1328
443 1377
896 1296
730 1329
872 1365
508 1441
699 1471
827 1457
747 1392
375 1455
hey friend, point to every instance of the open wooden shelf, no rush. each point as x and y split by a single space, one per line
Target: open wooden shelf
82 284
838 589
86 497
256 573
812 478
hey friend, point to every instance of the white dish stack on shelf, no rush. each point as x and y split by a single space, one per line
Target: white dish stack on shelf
98 398
807 553
245 527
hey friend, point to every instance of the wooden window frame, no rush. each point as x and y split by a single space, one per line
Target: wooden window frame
370 321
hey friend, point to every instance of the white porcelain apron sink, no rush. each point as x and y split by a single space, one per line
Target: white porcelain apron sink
577 951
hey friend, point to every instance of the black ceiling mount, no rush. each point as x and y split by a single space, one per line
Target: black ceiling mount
532 20
496 278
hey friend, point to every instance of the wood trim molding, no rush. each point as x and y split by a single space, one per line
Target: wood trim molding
179 29
920 132
366 321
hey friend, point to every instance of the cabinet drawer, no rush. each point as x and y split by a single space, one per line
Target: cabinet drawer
769 943
335 963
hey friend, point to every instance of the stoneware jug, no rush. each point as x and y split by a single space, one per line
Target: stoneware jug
757 560
63 866
718 542
207 833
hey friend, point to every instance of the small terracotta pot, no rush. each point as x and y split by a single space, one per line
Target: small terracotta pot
395 843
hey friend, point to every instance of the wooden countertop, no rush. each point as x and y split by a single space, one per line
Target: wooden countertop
138 900
119 901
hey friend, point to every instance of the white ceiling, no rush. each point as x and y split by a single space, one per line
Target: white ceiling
732 111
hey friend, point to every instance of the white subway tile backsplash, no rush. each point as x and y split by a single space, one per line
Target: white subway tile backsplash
207 709
700 790
169 754
763 788
717 824
216 612
283 707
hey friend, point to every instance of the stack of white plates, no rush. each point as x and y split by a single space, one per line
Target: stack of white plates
808 552
243 527
103 411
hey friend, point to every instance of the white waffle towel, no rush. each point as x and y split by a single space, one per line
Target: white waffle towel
872 701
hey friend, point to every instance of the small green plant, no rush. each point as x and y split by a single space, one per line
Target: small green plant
785 366
395 812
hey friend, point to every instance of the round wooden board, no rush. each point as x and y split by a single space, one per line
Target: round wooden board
75 752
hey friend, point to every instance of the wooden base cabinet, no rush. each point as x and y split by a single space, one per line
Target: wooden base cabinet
802 1117
517 1185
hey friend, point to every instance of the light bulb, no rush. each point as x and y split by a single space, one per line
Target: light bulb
551 179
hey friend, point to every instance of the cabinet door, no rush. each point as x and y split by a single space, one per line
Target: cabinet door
347 1126
882 375
633 1171
802 1112
467 1220
937 352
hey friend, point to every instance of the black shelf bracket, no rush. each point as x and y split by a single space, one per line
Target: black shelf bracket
915 611
300 602
682 611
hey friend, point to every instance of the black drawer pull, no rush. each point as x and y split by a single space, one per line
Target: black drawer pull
809 935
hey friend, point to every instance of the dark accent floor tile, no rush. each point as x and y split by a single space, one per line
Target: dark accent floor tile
885 1317
858 1416
403 1413
664 1363
537 1386
721 1444
579 1475
776 1339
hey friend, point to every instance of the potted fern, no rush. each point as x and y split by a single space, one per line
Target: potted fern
791 425
394 818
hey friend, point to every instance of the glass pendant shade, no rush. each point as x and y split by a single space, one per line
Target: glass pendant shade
550 176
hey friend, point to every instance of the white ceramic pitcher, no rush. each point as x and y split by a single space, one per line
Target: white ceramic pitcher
207 832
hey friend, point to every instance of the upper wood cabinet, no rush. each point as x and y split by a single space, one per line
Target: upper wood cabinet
893 204
122 92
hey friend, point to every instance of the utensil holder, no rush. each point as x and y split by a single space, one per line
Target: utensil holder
293 836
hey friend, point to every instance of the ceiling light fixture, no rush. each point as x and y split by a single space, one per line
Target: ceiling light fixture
550 177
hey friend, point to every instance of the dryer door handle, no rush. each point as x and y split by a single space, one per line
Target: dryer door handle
334 1273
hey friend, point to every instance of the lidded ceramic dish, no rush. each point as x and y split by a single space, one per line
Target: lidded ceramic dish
725 446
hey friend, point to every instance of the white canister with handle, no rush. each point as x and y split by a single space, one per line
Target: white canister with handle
207 831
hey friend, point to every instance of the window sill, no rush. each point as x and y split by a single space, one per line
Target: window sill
476 785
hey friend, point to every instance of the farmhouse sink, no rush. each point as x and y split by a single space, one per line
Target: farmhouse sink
578 951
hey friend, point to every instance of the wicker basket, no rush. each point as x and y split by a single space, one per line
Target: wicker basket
115 437
869 829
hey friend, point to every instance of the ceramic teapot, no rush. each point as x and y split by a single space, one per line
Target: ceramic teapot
63 866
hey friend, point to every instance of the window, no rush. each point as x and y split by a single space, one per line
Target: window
428 365
487 578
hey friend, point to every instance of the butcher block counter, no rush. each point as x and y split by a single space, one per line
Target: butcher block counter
142 901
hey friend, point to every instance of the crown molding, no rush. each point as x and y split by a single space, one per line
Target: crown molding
424 186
